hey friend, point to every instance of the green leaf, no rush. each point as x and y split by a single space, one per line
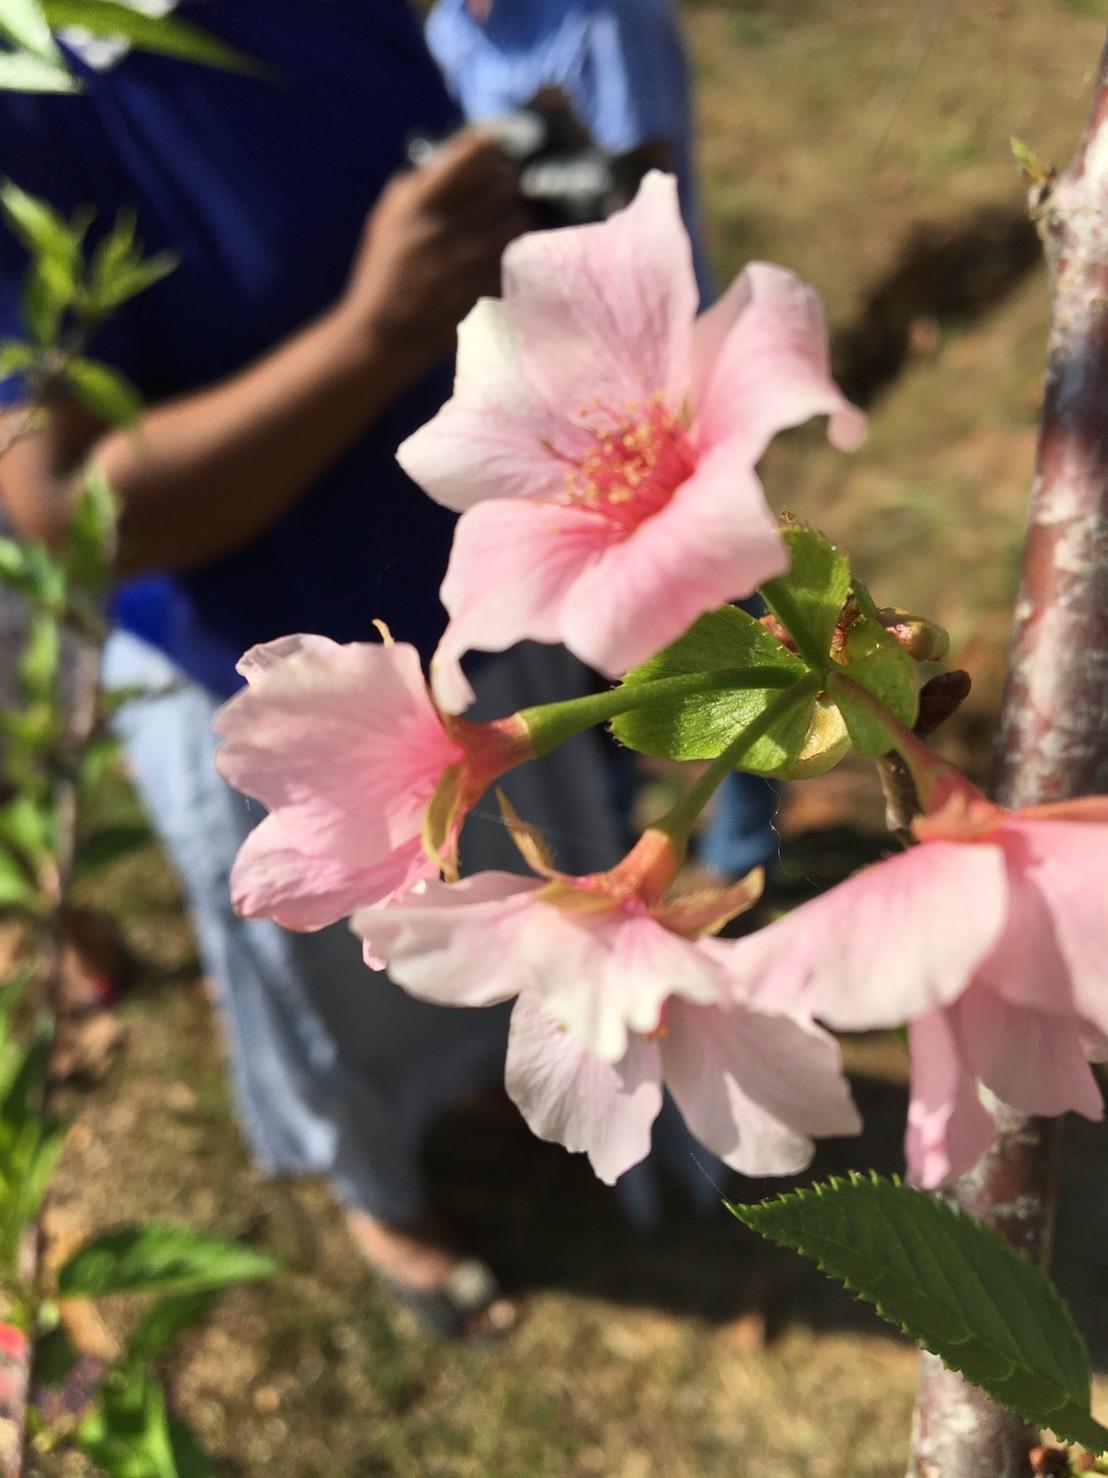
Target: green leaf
42 1158
31 570
127 1433
164 1323
164 34
38 663
41 229
949 1282
190 1458
17 890
159 1258
809 599
91 539
108 845
54 1357
713 681
104 391
878 663
28 828
118 270
21 72
24 23
46 295
15 356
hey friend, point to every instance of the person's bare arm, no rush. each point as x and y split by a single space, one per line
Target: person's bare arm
205 474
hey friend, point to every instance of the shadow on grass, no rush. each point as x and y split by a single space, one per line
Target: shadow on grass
959 270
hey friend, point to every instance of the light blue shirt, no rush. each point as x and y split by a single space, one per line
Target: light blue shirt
620 62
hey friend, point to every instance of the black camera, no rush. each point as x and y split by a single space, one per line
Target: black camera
565 181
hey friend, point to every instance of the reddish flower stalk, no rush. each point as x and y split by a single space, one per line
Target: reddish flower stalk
1051 743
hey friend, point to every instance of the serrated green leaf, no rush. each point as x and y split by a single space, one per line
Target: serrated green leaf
24 23
91 538
168 1319
21 72
809 599
713 681
952 1284
158 1258
103 390
167 35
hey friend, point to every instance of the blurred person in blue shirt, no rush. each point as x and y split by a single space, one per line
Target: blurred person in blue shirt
620 64
305 332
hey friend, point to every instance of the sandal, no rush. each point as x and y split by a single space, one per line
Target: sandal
450 1310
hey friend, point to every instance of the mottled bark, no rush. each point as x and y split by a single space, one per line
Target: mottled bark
1052 738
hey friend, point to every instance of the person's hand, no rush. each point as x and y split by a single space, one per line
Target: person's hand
432 247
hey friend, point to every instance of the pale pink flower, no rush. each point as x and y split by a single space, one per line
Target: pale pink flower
344 747
617 996
990 939
601 441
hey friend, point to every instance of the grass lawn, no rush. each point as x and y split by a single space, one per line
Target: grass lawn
867 147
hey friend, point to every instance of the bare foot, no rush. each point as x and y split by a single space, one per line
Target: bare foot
415 1257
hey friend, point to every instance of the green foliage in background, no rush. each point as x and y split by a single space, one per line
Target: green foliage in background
32 61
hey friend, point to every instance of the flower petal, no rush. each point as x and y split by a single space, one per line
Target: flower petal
1054 950
537 551
760 365
1031 1060
754 1088
890 944
342 741
271 879
604 313
455 944
494 437
602 975
949 1128
568 1096
714 541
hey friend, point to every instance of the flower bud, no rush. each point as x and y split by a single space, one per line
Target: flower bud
920 638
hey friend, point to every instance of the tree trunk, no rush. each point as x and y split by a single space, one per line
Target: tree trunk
1053 725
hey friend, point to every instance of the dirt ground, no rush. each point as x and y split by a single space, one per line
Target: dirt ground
864 143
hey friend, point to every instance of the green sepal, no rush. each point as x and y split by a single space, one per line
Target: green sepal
809 599
952 1284
878 663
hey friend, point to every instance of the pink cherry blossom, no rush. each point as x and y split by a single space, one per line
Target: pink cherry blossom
989 939
344 747
613 1002
601 441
